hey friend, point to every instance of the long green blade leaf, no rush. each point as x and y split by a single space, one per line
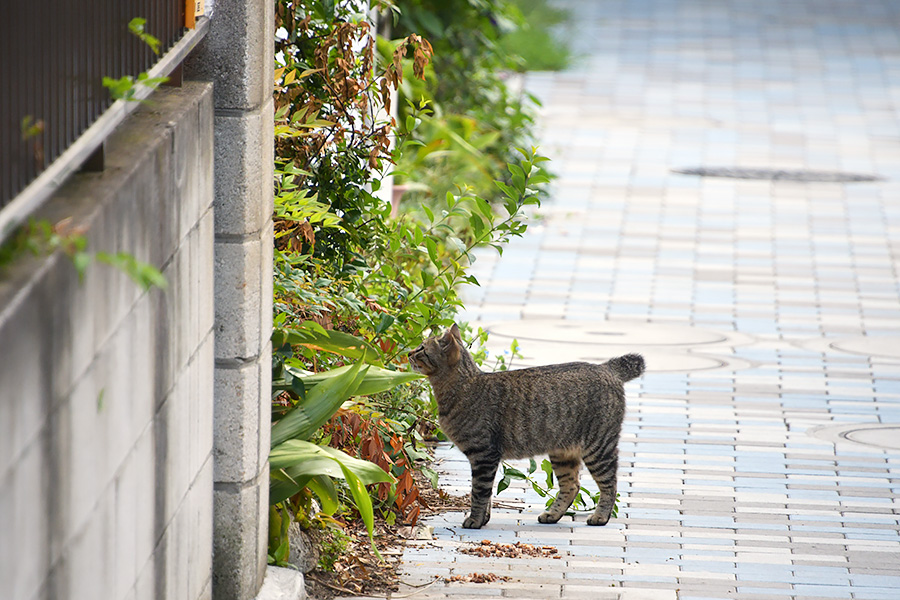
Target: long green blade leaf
282 487
279 491
363 504
317 407
301 458
375 380
333 341
324 488
297 463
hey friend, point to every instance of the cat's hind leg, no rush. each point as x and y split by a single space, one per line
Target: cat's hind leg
484 468
602 460
566 467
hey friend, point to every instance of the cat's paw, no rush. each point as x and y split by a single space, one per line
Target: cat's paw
548 517
598 520
473 523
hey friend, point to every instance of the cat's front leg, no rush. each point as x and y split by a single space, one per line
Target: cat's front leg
484 468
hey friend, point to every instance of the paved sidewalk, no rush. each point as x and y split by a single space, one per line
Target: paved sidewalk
761 453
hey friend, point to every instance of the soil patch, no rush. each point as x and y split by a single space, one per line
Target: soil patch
358 572
478 578
489 549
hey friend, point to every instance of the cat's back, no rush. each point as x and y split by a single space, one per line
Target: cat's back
551 375
614 371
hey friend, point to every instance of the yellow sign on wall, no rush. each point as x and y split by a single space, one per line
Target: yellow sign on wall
192 10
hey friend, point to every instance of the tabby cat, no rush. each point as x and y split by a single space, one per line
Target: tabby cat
572 412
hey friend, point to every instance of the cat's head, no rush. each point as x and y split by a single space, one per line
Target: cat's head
439 353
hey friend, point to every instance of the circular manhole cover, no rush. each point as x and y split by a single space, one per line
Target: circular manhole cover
802 175
888 346
885 346
611 333
873 435
659 360
666 348
881 437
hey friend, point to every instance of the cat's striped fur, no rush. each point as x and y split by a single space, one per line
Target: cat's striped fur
572 412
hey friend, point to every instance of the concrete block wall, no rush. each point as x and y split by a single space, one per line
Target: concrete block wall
106 391
238 55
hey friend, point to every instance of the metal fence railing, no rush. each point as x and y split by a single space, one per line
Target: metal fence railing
54 55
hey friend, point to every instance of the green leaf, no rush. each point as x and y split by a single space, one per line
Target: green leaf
414 453
431 246
484 208
323 487
363 503
547 468
298 387
296 463
314 327
383 324
312 335
395 243
512 207
81 260
507 190
282 486
516 170
457 243
538 178
519 183
513 472
283 550
318 406
151 82
432 476
120 89
137 27
143 274
375 379
31 129
301 458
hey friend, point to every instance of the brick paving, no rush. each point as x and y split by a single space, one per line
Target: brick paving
768 310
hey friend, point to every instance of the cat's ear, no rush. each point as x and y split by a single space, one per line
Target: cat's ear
451 334
451 342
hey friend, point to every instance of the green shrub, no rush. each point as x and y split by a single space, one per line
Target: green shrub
355 286
536 42
476 120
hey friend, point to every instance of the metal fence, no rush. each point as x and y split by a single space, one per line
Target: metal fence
54 55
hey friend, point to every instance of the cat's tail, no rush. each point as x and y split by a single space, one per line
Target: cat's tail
627 367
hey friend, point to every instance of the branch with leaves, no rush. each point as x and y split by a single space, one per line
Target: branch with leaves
126 88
